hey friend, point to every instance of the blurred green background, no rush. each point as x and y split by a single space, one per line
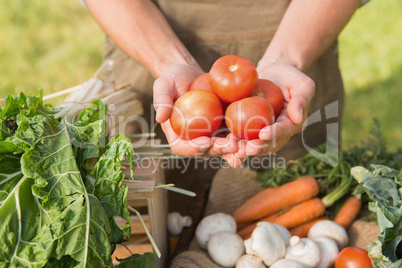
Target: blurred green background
56 44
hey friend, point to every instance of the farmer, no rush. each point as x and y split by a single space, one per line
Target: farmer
292 43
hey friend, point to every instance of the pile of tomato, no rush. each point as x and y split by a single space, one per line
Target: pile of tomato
230 95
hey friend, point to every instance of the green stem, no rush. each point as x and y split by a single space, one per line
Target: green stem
153 187
318 175
338 193
155 247
181 191
169 187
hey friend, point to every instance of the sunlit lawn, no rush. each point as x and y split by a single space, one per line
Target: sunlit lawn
56 44
371 64
46 44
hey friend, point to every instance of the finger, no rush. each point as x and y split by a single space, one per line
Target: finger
223 145
300 101
233 160
163 98
282 128
255 147
272 138
241 152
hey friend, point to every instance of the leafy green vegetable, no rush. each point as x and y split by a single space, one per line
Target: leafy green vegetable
146 260
109 186
10 174
55 209
87 134
382 185
24 105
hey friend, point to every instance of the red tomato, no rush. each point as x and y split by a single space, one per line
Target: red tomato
233 78
353 257
201 82
196 113
245 118
271 93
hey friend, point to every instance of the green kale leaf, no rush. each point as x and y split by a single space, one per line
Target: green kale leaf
382 186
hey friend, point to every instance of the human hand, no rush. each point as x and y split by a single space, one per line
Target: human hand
170 86
297 90
167 88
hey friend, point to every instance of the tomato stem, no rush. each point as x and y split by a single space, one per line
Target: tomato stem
233 68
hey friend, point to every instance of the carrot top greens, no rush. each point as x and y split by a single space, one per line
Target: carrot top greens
335 179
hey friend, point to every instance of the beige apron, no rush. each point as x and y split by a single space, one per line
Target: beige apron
214 28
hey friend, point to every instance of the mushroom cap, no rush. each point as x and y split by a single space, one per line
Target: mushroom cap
225 248
331 230
329 250
267 243
249 261
286 263
212 224
304 251
176 222
247 245
284 232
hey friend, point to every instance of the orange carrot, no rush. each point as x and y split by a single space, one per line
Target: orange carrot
301 213
272 200
297 215
348 212
302 230
249 204
245 233
243 225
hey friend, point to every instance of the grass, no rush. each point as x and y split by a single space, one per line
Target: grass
46 44
56 44
371 65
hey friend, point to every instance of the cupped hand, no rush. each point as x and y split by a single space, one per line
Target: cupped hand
167 88
170 86
297 90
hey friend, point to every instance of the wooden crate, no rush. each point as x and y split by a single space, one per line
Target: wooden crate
154 202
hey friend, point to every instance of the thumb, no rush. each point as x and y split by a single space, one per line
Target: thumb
163 98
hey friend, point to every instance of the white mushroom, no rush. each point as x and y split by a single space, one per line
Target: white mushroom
176 222
284 232
212 224
247 245
287 263
303 250
331 230
225 248
266 242
329 251
249 261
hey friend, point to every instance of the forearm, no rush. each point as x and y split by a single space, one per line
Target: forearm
140 30
307 29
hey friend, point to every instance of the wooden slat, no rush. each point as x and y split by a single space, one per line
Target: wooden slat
137 203
147 192
157 210
136 227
